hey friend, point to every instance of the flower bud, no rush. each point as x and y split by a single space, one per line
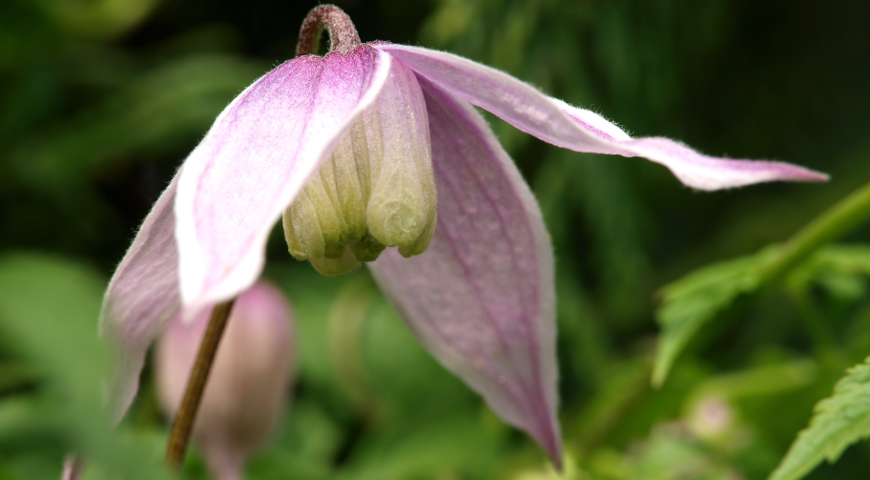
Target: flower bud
248 383
377 189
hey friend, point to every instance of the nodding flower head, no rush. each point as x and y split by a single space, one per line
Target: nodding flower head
373 153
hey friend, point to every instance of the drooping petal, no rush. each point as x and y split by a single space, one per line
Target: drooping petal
141 298
480 299
556 122
257 156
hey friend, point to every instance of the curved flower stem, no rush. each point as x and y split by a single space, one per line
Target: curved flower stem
830 225
182 426
342 34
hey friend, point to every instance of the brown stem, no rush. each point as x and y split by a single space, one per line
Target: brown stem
342 34
182 426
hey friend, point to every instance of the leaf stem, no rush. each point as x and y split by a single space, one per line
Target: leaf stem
824 340
182 426
838 220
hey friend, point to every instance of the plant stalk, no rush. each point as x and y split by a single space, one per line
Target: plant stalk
838 220
182 426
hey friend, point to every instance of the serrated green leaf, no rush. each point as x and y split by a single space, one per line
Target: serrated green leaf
838 421
696 299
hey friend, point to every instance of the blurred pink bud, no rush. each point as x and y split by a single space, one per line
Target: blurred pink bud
248 383
711 417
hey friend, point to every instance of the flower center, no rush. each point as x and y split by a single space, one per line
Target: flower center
376 190
371 193
342 34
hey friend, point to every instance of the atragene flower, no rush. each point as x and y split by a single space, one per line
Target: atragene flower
374 146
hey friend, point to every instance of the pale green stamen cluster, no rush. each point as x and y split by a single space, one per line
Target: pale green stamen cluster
371 193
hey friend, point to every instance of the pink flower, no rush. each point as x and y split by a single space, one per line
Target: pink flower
248 384
393 127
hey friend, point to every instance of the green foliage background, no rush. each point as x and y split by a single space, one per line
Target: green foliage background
100 101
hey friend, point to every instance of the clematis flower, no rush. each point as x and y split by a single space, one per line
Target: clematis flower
249 381
374 153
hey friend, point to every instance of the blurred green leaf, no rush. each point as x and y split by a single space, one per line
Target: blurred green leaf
50 307
15 375
697 298
308 442
840 269
624 386
838 421
312 296
346 320
757 381
396 362
48 313
97 18
450 447
168 106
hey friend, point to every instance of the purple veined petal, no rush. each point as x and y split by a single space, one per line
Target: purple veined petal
556 122
255 159
141 298
481 299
